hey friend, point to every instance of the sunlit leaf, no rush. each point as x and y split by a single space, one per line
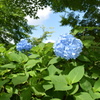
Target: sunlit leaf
76 74
97 85
83 96
19 79
53 60
11 66
60 83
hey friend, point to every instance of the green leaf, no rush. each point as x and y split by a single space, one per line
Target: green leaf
47 78
52 70
11 65
41 69
37 87
41 46
2 49
48 48
83 96
32 73
14 57
2 82
19 79
24 58
83 58
97 96
75 31
88 40
94 95
2 72
85 84
88 43
5 96
95 75
53 60
60 83
31 63
74 89
55 99
9 89
26 94
38 90
76 74
97 85
47 86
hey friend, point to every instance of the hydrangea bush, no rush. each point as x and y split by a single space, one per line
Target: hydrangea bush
68 47
49 77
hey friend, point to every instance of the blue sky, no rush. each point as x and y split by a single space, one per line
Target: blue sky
49 19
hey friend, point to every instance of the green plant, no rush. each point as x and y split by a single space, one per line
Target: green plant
43 76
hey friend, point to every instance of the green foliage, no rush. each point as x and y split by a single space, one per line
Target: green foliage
40 75
45 35
81 15
76 74
13 24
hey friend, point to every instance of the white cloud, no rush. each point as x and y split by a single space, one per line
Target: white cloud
42 14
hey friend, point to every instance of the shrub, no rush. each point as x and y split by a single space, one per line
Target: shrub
44 76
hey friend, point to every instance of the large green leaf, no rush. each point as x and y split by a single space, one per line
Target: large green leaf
60 83
83 96
11 65
5 96
76 74
26 94
31 63
53 60
52 70
97 85
14 57
19 79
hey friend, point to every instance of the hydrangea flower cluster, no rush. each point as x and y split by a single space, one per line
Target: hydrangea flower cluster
68 47
23 45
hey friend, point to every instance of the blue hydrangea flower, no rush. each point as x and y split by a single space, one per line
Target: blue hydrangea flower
68 47
23 45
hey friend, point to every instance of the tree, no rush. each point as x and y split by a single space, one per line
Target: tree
13 24
88 23
45 35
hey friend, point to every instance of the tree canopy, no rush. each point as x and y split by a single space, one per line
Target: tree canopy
14 26
88 22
